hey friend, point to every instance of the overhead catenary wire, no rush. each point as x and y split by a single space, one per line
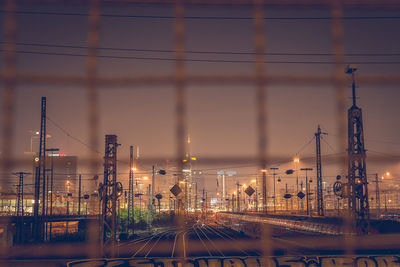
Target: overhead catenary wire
71 136
282 18
171 59
80 141
124 49
305 145
327 143
376 140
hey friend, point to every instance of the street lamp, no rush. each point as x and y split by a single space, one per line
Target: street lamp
307 188
274 174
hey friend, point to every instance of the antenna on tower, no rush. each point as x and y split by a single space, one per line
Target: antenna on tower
351 69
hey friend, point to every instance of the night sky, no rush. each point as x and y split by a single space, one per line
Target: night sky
221 119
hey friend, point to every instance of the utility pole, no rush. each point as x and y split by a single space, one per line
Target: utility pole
287 200
131 206
79 193
377 196
51 185
274 174
20 206
39 180
42 152
307 189
357 175
256 196
320 195
302 203
203 200
195 197
238 196
149 205
296 161
152 185
186 204
264 189
233 203
20 193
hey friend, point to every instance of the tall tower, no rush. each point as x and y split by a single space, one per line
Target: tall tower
40 177
320 196
357 174
109 191
187 176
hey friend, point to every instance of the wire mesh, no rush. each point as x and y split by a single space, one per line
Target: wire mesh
260 80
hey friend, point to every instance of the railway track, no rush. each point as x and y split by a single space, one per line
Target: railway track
194 240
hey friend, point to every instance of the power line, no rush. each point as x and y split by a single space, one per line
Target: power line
206 60
304 146
199 51
326 142
80 141
204 17
71 136
375 140
383 153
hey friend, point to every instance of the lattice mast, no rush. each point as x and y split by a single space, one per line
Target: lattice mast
357 174
320 195
20 194
40 171
109 193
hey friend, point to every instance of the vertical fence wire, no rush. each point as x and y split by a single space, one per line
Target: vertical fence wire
260 81
93 105
261 94
341 121
180 104
8 101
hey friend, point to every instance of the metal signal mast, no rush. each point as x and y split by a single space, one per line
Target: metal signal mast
40 170
357 174
109 191
320 196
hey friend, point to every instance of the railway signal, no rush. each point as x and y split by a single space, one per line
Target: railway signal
287 196
249 191
175 190
300 195
159 197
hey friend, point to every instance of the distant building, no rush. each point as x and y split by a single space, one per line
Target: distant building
65 173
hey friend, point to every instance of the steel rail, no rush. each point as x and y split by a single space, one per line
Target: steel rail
211 242
155 243
175 240
144 238
141 248
221 234
201 240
